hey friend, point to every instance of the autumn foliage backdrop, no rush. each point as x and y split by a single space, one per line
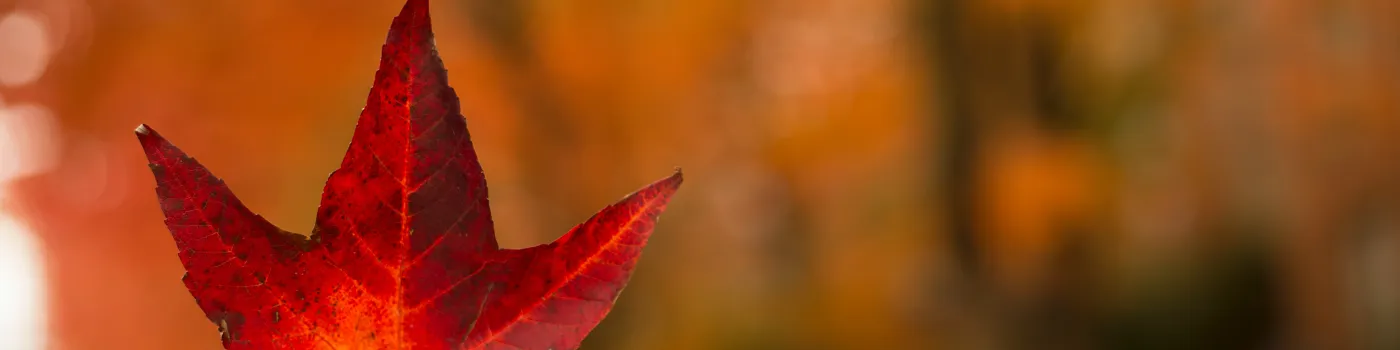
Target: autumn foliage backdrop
861 174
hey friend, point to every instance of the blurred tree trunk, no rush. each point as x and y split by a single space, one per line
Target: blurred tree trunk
952 51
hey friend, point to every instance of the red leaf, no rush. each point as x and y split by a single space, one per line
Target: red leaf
403 254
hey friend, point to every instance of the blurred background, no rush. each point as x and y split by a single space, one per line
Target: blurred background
860 174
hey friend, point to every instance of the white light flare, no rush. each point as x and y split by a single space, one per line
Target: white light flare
27 144
23 323
28 147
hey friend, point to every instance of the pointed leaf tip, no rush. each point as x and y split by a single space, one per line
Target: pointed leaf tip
674 181
413 10
151 141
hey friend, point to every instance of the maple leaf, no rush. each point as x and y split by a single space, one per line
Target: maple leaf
403 254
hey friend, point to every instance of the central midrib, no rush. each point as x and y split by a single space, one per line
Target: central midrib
404 229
